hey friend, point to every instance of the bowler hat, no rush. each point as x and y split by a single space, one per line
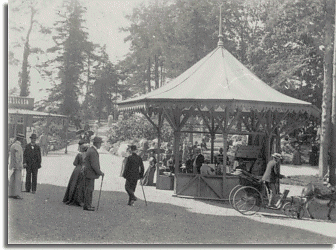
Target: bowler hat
33 136
20 136
97 139
133 147
81 142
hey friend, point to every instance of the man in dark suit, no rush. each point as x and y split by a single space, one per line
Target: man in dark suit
32 163
92 171
198 161
134 170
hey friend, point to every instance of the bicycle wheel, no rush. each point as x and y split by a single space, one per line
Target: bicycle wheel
289 210
233 190
247 200
293 211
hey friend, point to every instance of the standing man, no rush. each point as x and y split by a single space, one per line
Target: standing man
16 165
198 161
272 175
32 162
91 171
134 170
43 141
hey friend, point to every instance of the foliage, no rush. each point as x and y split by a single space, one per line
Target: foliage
31 9
280 41
136 127
71 41
105 88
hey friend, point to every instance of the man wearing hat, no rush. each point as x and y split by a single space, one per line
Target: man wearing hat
91 171
16 165
272 175
134 170
32 162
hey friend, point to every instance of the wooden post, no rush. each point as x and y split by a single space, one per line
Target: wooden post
267 147
159 154
212 134
268 136
176 155
212 141
225 136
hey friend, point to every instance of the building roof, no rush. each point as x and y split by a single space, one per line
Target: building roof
217 81
14 111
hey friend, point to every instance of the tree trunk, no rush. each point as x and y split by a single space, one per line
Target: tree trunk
156 71
332 177
327 93
149 76
24 88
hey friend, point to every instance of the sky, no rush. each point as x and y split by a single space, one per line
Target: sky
103 20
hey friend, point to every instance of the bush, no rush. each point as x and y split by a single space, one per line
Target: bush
136 127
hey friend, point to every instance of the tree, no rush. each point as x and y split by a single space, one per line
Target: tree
105 88
32 9
327 90
71 46
332 177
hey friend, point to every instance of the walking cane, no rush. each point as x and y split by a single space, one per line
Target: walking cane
101 185
143 191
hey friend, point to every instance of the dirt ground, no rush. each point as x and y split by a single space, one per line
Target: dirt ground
43 218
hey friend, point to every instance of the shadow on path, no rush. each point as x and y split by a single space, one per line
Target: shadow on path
43 218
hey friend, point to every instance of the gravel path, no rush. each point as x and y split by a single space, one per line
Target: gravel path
43 218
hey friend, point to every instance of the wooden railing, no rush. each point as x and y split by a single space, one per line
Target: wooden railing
20 102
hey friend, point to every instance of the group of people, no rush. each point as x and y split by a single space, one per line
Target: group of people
87 168
81 183
29 158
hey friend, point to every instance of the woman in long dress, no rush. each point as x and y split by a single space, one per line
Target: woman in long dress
74 194
148 179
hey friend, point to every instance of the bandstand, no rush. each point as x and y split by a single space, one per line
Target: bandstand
229 99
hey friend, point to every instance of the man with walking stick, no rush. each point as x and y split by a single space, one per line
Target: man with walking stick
134 170
91 171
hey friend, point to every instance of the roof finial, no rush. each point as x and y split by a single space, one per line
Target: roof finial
220 35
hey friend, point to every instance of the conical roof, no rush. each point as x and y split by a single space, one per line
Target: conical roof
216 81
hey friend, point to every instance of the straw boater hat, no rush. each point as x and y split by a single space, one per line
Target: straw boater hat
20 136
277 156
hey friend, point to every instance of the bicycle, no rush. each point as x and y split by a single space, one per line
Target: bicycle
252 194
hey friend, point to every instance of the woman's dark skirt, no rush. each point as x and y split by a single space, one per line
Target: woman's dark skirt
74 194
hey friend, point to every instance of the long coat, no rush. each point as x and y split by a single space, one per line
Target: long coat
32 156
16 156
91 163
198 161
134 168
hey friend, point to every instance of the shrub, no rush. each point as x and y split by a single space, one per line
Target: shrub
136 127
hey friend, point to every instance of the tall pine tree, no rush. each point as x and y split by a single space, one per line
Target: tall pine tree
71 44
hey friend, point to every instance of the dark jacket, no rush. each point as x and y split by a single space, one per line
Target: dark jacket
32 157
272 172
197 164
134 168
91 164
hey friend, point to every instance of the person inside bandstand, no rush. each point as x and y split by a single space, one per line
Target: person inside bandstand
198 161
207 169
170 164
189 164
